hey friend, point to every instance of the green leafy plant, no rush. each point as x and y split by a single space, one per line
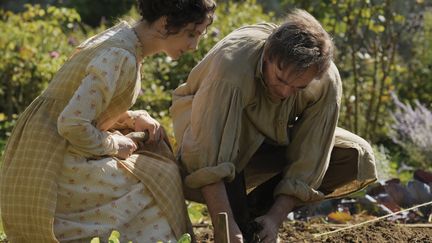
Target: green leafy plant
115 238
32 48
378 44
94 13
185 238
412 130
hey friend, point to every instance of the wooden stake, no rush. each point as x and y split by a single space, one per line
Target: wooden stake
221 228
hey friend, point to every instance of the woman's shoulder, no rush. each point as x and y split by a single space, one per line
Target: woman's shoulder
102 36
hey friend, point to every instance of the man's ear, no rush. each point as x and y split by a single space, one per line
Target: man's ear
160 25
266 57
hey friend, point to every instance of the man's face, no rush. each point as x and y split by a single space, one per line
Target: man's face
284 82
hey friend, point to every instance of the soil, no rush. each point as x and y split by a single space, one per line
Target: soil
379 232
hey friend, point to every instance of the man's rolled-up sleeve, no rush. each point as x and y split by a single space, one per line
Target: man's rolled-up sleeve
312 140
309 152
210 143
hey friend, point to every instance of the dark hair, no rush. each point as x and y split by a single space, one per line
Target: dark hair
301 41
179 13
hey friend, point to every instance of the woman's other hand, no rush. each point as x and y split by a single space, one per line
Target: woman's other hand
145 122
126 146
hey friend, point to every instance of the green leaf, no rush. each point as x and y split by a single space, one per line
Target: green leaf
95 240
114 237
185 238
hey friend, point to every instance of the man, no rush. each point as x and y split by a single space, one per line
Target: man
260 111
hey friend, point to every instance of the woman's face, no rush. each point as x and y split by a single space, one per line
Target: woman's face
186 39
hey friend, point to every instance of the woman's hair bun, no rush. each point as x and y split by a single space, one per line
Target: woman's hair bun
179 13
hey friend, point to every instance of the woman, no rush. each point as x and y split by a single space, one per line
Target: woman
65 176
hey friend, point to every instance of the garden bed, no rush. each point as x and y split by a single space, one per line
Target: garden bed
378 232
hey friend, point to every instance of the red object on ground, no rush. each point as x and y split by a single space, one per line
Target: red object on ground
423 176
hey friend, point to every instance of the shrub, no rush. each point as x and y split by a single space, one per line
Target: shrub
383 163
33 46
412 130
96 12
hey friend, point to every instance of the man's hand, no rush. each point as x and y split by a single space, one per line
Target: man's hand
274 218
270 228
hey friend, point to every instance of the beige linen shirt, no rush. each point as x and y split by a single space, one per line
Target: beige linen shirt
223 113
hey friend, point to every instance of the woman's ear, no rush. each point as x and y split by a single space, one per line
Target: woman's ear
160 26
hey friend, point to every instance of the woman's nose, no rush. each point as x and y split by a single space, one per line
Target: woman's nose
193 46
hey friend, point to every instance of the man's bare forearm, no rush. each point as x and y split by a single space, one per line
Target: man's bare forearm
216 199
282 207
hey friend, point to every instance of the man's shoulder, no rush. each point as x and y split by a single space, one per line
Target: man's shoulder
236 56
263 27
329 85
244 38
332 74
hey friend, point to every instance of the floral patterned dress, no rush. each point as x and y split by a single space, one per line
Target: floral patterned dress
58 180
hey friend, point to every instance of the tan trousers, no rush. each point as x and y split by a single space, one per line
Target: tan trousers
342 170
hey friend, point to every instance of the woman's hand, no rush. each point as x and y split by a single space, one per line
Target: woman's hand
143 122
126 146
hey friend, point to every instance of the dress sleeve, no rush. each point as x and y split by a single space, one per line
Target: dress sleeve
210 144
312 139
105 74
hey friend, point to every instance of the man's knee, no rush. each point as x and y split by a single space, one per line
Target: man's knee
343 168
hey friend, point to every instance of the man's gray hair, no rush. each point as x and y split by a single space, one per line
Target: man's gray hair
301 41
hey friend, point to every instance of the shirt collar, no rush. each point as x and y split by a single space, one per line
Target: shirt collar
259 72
259 75
259 67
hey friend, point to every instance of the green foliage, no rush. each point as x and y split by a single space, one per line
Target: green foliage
5 130
412 131
185 238
375 55
416 83
94 13
3 237
197 212
115 238
383 163
33 49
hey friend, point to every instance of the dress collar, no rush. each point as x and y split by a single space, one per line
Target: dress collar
130 38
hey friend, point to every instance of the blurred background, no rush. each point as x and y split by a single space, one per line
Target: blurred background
384 55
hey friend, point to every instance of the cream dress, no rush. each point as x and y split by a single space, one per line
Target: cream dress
58 181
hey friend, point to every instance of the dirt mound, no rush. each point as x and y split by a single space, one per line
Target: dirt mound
379 232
